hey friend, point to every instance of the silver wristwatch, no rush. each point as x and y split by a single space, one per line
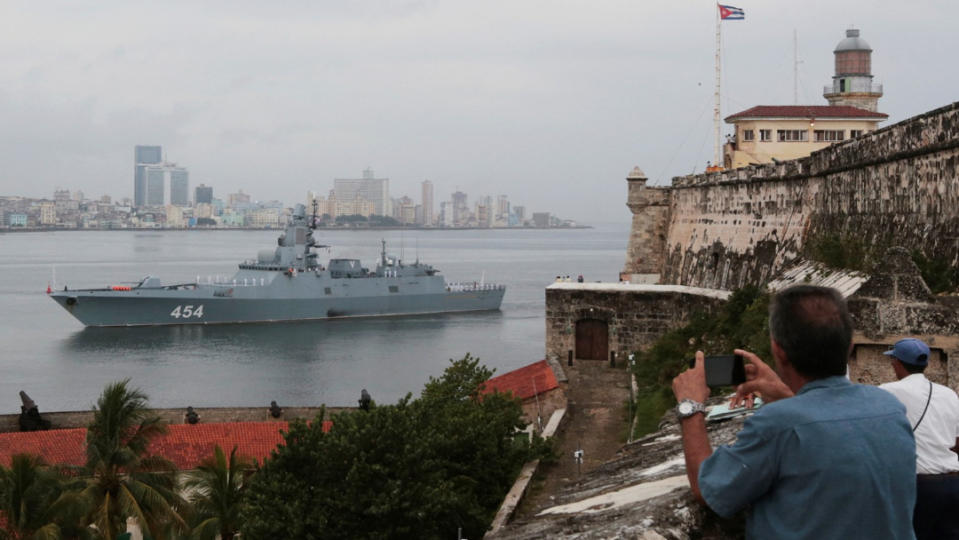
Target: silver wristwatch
688 407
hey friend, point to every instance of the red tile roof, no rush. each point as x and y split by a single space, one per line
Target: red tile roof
184 444
58 446
524 382
806 111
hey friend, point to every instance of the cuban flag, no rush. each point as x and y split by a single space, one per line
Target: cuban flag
731 13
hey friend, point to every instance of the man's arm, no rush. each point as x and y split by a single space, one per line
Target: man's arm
691 384
696 448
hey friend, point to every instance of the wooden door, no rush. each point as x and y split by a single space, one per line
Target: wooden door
592 339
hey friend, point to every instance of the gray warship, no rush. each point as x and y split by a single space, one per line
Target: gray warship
284 284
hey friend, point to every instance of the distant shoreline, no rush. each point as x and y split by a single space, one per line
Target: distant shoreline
351 229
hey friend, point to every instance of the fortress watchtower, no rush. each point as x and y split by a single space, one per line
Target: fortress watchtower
852 84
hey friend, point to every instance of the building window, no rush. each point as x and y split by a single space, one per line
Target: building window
829 135
765 135
748 135
793 135
855 133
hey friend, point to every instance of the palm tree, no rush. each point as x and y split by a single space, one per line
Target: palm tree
215 489
124 481
37 503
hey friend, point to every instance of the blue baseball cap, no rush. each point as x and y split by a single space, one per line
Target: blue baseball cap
910 351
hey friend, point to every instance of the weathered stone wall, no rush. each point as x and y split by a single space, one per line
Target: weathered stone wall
894 304
636 314
895 186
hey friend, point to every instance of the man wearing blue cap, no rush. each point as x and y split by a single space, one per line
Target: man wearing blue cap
933 413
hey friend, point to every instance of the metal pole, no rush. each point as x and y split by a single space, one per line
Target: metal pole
716 128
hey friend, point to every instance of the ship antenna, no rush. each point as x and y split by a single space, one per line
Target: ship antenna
383 252
313 222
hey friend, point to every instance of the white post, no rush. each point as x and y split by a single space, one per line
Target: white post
716 128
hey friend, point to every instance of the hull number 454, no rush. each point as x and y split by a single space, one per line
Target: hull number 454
185 312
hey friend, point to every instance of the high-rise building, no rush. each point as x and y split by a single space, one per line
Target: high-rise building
484 211
203 195
179 186
143 156
427 218
446 214
155 184
368 188
404 210
461 212
157 177
520 213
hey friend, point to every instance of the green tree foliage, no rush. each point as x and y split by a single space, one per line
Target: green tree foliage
37 503
742 323
419 469
124 481
843 251
215 489
940 274
352 218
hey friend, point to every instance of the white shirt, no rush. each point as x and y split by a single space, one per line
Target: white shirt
939 428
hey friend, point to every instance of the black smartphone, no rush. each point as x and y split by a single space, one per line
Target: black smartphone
723 370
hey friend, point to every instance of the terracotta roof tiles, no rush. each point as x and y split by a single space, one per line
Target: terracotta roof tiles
524 382
184 444
806 111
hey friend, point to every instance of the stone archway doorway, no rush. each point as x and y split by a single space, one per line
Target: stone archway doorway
592 339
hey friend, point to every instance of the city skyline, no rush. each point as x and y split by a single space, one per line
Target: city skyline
555 108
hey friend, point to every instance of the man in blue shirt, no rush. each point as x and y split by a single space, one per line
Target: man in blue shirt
824 458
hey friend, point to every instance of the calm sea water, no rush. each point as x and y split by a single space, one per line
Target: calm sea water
63 366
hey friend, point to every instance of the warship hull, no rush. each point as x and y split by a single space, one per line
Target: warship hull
249 304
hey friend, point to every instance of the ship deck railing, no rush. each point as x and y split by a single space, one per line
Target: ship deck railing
471 287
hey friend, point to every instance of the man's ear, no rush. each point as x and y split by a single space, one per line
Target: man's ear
778 353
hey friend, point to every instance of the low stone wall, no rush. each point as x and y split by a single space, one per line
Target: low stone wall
212 415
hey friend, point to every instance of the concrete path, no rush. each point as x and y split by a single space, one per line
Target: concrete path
595 422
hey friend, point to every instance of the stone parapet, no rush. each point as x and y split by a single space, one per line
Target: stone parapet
77 419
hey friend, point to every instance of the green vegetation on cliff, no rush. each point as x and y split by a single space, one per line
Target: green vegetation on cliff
853 253
741 323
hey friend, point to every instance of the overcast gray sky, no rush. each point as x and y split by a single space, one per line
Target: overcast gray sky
548 101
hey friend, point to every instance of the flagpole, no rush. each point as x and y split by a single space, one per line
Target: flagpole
716 129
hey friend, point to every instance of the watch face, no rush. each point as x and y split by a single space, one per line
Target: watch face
685 407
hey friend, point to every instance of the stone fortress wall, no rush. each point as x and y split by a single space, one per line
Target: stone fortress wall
893 191
895 186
